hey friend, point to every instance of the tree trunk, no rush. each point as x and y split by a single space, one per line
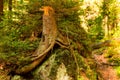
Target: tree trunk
10 5
1 9
106 26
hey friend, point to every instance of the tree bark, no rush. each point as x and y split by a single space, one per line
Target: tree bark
1 9
10 5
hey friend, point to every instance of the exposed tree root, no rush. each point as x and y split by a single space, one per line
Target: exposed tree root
30 66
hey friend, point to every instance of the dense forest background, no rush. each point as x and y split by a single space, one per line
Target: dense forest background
86 45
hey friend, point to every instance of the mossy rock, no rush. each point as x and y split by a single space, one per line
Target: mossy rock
60 60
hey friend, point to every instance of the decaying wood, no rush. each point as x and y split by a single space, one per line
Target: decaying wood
49 33
50 36
101 44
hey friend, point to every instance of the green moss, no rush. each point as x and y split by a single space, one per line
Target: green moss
64 56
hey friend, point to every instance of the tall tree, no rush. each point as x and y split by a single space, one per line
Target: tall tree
110 12
1 9
10 5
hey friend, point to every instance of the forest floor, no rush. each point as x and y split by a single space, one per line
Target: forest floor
106 71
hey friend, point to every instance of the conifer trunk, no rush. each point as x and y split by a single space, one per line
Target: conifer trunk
1 9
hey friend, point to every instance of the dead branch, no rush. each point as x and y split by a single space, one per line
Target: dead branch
107 43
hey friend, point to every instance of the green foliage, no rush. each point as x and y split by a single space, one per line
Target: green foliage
96 32
16 29
113 56
117 32
80 78
111 9
12 32
118 70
